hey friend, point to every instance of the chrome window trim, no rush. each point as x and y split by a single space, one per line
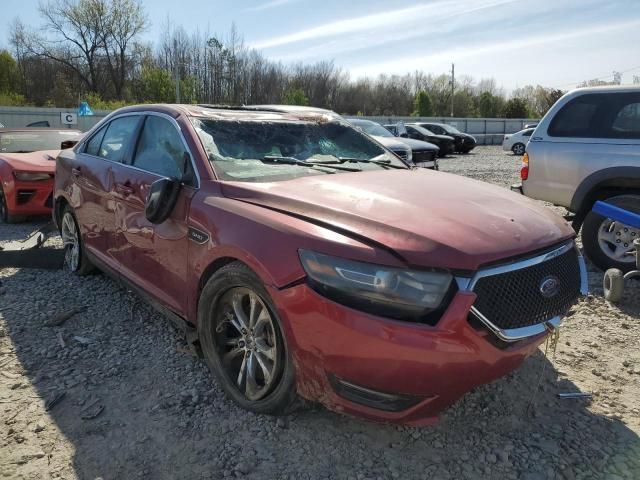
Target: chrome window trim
148 113
511 335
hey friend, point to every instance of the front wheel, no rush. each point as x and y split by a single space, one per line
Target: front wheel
243 342
608 243
518 149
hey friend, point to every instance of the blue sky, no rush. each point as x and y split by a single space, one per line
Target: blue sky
556 43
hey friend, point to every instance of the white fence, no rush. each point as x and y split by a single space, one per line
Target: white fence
488 131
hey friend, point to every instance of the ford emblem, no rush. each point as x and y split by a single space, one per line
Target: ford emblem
549 286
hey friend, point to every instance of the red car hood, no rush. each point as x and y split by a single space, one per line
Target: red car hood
429 218
43 161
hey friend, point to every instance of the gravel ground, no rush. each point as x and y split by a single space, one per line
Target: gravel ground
113 393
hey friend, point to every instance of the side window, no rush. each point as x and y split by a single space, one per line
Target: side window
160 148
527 133
577 118
118 137
626 122
93 145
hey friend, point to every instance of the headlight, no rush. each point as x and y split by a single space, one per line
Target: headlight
385 291
32 176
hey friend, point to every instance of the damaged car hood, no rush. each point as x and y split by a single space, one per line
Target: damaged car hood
430 219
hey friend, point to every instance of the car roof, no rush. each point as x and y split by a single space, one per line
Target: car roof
236 112
608 89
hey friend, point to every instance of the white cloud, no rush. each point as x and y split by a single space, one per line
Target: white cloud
410 63
269 5
384 22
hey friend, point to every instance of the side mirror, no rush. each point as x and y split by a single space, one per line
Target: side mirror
161 200
68 144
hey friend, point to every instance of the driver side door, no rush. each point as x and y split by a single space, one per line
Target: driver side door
154 256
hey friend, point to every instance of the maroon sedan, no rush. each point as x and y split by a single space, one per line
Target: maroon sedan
304 259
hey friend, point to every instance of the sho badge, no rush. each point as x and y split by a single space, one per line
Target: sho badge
198 236
549 286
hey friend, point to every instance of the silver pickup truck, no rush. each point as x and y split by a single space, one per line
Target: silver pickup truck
587 148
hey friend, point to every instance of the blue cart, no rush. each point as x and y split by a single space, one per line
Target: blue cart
614 279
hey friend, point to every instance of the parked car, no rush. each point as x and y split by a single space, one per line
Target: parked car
27 165
304 259
422 154
587 148
464 142
446 143
517 142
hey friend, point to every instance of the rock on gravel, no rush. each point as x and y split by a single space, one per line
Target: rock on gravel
162 415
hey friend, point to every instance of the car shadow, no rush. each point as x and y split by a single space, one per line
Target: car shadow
128 400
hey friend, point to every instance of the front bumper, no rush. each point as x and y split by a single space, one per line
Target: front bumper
433 365
28 198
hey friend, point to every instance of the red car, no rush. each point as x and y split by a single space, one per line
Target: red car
27 165
304 259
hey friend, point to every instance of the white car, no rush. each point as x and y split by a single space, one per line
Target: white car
517 142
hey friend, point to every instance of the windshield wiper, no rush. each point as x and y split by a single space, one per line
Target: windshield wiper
275 159
382 163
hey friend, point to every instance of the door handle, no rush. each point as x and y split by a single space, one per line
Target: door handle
75 172
124 189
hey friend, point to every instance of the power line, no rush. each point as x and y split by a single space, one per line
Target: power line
604 77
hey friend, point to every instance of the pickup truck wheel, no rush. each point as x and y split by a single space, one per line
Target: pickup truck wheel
242 341
75 258
609 244
518 149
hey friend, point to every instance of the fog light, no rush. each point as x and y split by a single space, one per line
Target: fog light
371 398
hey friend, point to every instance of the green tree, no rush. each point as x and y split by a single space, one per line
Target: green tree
295 96
516 108
9 77
157 85
423 107
489 105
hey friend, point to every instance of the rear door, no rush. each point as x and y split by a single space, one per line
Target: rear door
154 256
92 177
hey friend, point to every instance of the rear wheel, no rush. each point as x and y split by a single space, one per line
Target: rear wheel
609 244
75 258
243 342
518 149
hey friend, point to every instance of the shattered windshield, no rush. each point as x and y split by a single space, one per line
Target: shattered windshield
282 149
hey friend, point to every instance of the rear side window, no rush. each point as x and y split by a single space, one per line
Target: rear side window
599 115
160 148
576 118
626 123
118 138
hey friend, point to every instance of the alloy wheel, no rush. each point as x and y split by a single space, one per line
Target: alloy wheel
71 242
616 240
518 149
247 342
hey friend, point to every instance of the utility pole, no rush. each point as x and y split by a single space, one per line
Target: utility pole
453 84
175 53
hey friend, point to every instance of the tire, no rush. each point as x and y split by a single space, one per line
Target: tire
5 217
594 236
613 285
518 149
75 260
229 352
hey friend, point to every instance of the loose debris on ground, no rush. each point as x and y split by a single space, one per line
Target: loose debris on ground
112 391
